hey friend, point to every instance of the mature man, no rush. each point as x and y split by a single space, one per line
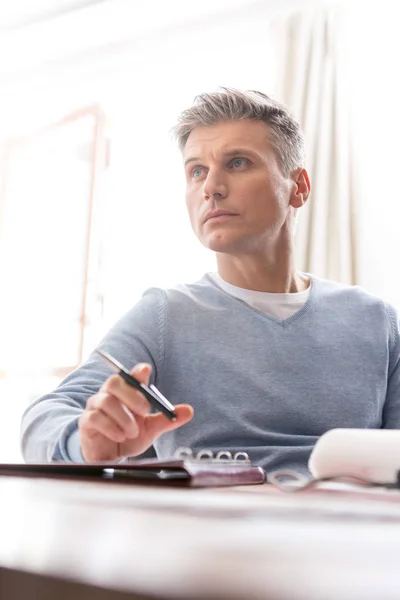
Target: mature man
262 358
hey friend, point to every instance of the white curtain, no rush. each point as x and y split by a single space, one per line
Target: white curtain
315 87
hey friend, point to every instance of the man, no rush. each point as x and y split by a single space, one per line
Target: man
258 357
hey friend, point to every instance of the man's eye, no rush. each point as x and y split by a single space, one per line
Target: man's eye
239 162
197 172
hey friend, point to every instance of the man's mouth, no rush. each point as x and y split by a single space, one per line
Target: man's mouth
219 214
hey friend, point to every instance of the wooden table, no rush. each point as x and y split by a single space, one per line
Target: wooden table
101 541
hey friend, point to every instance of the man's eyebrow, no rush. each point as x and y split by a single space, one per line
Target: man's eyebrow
191 159
237 151
230 153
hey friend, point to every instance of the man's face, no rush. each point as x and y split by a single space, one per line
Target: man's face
231 167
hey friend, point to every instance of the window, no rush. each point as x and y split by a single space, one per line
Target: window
49 254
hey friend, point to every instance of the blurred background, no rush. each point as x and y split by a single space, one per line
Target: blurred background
92 207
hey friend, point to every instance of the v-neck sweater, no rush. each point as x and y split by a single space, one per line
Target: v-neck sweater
258 383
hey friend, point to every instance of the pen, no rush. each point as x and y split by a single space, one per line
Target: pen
153 395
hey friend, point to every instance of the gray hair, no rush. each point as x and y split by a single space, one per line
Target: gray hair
230 104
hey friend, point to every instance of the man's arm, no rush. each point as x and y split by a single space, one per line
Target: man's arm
391 409
49 428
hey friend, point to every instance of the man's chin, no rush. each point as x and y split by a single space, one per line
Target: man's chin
222 244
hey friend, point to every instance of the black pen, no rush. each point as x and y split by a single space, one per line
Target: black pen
153 395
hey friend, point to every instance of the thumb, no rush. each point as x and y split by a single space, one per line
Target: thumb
156 425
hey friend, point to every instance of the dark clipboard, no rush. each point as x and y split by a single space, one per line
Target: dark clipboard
184 472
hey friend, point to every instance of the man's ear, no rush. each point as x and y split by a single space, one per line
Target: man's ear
301 188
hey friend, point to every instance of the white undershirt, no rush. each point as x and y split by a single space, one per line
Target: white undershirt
281 306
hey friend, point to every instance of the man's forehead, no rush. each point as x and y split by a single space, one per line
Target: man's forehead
227 135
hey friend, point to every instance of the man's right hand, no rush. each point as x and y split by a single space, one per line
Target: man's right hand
117 422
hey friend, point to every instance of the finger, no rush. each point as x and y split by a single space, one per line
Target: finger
112 407
158 424
96 421
142 372
134 399
128 395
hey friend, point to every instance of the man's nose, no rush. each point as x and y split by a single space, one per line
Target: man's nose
215 186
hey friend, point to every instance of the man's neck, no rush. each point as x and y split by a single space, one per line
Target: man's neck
252 273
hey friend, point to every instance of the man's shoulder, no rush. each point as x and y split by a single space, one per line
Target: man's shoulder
179 305
350 295
186 293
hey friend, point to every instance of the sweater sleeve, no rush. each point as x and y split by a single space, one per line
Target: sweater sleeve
391 409
49 428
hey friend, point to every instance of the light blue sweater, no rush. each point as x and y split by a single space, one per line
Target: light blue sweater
258 384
